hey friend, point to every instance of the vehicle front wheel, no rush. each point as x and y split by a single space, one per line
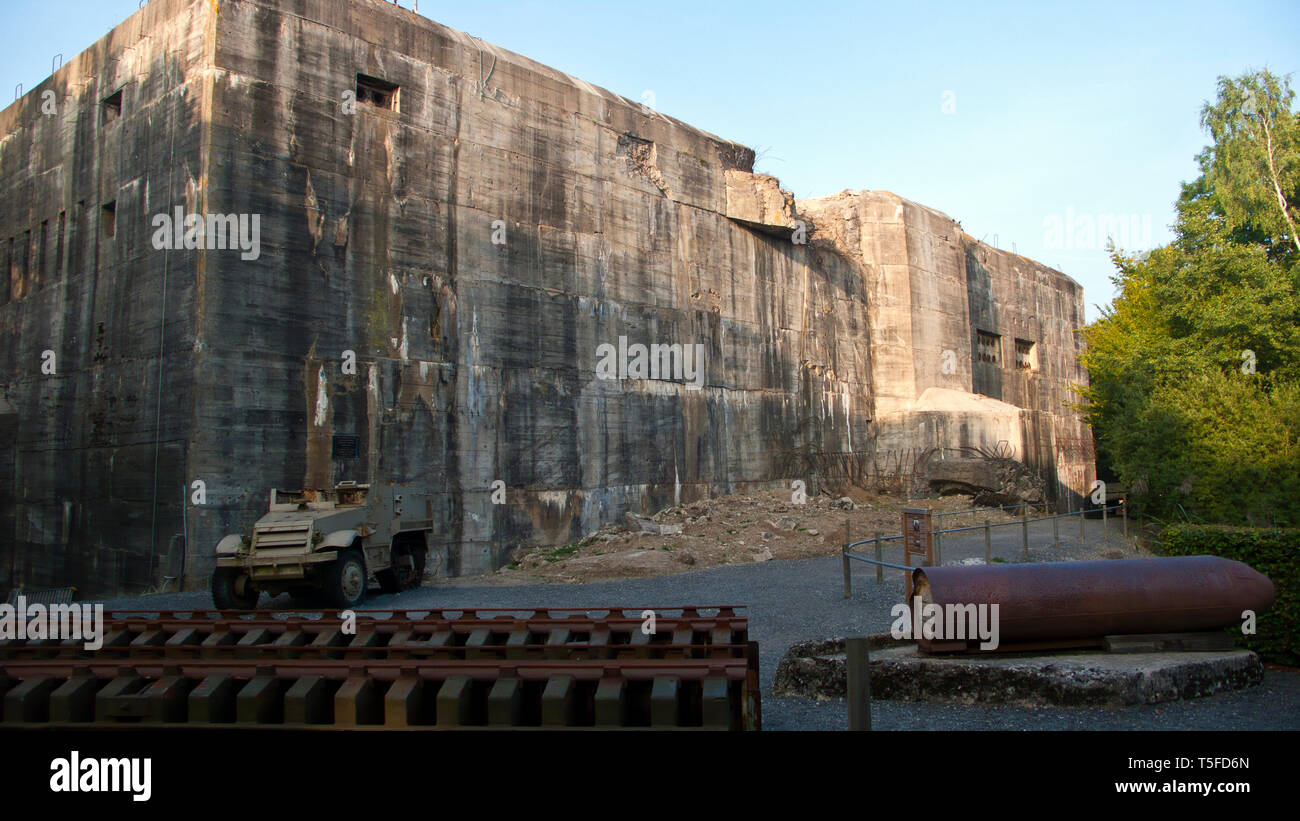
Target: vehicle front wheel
347 580
233 590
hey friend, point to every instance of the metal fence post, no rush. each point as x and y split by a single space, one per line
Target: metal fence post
1024 528
1082 510
938 549
988 545
1105 537
1123 512
1056 531
844 557
880 569
857 671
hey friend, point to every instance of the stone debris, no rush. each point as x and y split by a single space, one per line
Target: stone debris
990 481
753 527
644 525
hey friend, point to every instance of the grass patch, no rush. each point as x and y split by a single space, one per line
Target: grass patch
561 552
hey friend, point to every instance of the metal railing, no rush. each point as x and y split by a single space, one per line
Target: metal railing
847 555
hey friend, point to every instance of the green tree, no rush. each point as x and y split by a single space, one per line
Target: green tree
1252 169
1195 367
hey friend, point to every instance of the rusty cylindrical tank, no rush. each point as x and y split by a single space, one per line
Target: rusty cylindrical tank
1076 600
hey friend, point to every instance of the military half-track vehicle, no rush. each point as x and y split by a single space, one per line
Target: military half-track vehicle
326 547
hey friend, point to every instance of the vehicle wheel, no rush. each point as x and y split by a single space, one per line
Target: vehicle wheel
232 590
347 580
408 565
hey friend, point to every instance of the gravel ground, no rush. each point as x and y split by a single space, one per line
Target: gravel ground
791 601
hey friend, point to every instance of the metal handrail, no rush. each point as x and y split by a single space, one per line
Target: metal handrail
847 554
1003 508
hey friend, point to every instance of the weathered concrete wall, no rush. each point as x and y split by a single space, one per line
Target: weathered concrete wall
92 437
445 278
932 289
377 238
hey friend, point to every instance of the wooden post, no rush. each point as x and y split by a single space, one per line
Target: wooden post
938 549
857 671
1056 531
844 557
880 569
988 545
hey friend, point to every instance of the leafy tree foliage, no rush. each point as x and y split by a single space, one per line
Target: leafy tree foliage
1194 369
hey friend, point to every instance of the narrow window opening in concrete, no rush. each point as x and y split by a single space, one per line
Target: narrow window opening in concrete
989 347
1025 355
112 107
109 219
27 255
378 93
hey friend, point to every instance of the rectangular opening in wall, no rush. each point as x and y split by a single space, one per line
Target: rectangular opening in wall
1025 355
988 347
345 446
108 218
376 92
112 106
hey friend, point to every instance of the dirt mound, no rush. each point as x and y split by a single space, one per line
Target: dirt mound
736 529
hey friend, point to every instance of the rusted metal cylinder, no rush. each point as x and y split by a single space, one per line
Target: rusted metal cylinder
1048 601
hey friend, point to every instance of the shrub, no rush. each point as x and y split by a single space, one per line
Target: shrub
1275 552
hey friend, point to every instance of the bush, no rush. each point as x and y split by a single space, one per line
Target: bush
1216 448
1275 553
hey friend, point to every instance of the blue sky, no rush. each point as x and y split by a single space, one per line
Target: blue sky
1014 118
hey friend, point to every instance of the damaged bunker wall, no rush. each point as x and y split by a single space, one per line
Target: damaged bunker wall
458 252
972 348
98 329
474 244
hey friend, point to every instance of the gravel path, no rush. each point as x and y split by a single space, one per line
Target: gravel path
791 601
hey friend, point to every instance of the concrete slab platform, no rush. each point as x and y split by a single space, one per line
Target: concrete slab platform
899 672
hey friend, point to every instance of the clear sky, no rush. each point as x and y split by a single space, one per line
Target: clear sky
1024 120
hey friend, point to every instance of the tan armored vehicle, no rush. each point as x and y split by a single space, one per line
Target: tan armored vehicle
326 546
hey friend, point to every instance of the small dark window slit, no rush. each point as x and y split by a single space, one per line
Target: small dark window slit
112 107
376 92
